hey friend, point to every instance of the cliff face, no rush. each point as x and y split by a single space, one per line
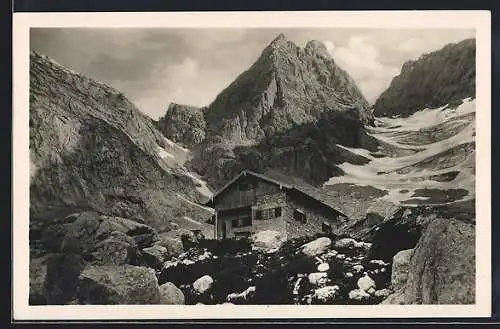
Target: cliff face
183 124
90 148
287 112
433 80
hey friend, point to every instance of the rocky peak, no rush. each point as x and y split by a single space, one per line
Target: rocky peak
287 86
183 124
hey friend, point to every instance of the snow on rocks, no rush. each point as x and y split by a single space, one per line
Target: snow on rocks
316 247
203 284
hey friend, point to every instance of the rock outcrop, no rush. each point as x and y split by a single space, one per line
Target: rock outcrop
442 267
183 124
105 285
288 111
171 295
435 79
91 148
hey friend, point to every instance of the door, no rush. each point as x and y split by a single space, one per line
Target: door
224 229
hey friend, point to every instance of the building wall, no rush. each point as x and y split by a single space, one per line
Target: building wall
235 196
263 202
315 217
263 196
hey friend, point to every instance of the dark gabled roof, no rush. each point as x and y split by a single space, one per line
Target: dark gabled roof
286 182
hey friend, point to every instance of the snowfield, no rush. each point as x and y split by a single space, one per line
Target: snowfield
420 171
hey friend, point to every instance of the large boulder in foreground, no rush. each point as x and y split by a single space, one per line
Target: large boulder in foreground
117 249
442 267
400 268
126 284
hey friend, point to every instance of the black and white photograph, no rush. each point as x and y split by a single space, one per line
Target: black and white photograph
242 166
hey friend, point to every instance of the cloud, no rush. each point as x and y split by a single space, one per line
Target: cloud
361 59
154 67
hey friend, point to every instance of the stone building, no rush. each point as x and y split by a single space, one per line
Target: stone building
253 202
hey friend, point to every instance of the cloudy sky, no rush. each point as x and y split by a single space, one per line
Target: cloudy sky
154 67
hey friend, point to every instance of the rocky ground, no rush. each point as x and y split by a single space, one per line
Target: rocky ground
88 258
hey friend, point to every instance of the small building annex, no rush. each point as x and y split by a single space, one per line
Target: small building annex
253 202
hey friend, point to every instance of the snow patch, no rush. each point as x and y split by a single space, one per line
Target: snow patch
202 185
189 219
211 210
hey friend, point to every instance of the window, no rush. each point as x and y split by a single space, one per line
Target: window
268 213
241 222
299 216
277 212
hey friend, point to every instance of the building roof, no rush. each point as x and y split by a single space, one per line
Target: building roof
287 182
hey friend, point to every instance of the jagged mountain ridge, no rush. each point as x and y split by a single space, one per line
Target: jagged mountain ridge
91 148
285 87
288 111
441 77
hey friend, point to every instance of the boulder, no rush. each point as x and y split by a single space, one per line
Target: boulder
90 228
345 243
316 247
318 279
37 281
323 267
267 240
143 235
358 268
118 249
400 267
326 294
111 284
81 235
62 277
442 268
366 283
155 256
203 284
173 244
359 295
396 298
171 295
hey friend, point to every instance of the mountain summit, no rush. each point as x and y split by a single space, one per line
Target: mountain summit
288 111
287 86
